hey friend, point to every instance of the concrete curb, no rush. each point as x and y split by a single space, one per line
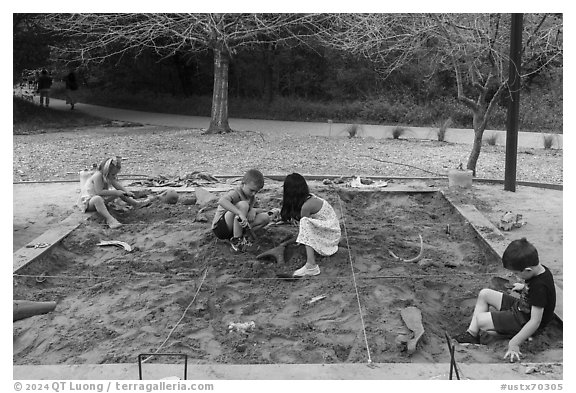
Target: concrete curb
343 371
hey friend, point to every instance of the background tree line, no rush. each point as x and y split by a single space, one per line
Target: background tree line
412 69
309 72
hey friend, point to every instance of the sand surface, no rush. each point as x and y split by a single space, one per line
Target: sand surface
180 290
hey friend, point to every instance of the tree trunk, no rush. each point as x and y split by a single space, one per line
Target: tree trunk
219 117
479 126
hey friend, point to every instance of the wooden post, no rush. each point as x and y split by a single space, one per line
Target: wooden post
514 103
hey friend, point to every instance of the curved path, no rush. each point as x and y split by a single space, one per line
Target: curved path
454 135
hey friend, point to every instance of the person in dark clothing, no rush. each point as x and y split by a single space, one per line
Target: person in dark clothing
518 316
71 88
44 84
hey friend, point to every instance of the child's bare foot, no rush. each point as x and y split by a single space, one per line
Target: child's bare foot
114 224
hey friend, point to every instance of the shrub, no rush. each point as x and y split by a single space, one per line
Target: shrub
540 109
398 131
442 130
353 130
492 139
548 140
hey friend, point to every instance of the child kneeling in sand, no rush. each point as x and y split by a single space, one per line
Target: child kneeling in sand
96 192
518 317
319 228
237 211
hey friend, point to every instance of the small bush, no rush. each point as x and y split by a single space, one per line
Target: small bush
353 130
398 131
492 139
443 128
548 140
541 110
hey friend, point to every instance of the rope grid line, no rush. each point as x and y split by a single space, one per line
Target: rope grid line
354 277
233 279
181 318
107 278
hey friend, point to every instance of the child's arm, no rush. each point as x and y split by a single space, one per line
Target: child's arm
226 202
254 210
311 206
527 330
121 188
99 187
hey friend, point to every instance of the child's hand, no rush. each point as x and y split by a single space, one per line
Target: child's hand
243 221
513 351
251 215
518 287
274 214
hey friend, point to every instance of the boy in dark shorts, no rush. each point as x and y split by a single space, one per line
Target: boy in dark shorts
236 211
521 316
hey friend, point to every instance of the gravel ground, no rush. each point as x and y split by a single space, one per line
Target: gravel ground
171 152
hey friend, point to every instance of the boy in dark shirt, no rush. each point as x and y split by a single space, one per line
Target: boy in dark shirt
520 316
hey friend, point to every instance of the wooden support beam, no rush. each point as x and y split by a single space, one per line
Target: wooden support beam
50 238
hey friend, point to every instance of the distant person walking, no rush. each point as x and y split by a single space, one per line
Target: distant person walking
44 85
71 87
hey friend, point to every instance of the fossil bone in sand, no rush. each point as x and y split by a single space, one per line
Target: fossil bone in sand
412 317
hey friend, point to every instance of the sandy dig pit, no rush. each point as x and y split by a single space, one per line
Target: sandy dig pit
180 290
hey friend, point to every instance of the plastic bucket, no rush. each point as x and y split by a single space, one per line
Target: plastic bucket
84 176
460 178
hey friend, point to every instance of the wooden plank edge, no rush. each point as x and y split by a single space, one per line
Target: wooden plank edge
27 254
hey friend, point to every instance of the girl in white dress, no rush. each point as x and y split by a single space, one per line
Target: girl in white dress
319 228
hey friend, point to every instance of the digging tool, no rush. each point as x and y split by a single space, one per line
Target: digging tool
149 355
453 366
251 231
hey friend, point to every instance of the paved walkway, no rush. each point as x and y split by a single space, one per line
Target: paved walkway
454 135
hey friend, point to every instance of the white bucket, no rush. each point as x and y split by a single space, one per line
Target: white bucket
460 178
84 176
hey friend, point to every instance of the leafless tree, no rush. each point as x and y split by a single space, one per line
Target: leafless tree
94 37
474 46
